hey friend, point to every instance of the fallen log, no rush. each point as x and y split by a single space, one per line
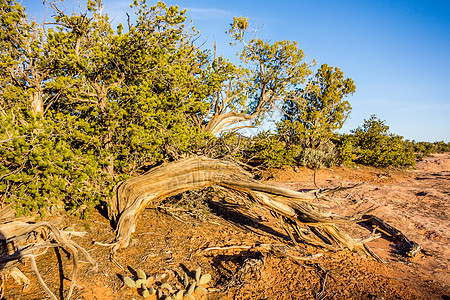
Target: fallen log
293 208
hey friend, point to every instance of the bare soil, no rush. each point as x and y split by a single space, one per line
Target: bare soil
244 248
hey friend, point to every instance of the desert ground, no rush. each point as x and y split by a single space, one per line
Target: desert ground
250 256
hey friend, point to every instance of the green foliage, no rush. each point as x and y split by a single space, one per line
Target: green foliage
84 106
248 93
312 114
88 105
278 69
347 152
426 148
40 169
269 151
238 28
377 147
441 147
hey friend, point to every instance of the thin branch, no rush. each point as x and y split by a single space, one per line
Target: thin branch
39 277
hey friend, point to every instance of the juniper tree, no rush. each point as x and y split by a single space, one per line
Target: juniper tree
267 73
115 99
313 113
376 146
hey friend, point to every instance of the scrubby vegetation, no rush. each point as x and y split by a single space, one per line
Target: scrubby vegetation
84 106
373 144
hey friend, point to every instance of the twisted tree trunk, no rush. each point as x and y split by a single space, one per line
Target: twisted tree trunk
294 208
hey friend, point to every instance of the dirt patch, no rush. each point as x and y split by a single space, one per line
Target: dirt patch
230 239
435 163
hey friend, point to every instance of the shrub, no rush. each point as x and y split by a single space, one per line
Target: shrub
325 156
441 147
266 149
39 168
379 148
347 151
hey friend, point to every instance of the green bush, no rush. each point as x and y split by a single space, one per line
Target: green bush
268 150
347 151
441 147
422 149
376 146
39 169
76 120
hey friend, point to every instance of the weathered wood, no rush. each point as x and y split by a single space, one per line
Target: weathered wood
19 240
134 195
404 246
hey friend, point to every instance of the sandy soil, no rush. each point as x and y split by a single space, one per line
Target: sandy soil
230 239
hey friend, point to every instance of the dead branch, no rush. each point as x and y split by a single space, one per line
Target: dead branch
27 239
295 208
276 249
404 245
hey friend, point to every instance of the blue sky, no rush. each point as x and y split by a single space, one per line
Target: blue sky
397 52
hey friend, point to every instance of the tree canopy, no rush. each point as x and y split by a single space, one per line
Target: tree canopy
267 74
103 102
84 105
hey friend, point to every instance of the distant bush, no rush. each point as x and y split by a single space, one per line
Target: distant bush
374 145
370 144
441 147
326 155
427 148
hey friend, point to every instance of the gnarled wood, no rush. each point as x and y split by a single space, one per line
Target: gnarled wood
404 245
19 240
295 208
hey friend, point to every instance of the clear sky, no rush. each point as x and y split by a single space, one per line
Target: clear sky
396 51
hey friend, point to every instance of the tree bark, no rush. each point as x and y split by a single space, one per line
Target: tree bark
37 106
219 123
294 208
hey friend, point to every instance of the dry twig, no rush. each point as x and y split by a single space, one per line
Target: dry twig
21 232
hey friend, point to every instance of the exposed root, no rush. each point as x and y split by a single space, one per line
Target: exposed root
292 209
322 293
28 239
